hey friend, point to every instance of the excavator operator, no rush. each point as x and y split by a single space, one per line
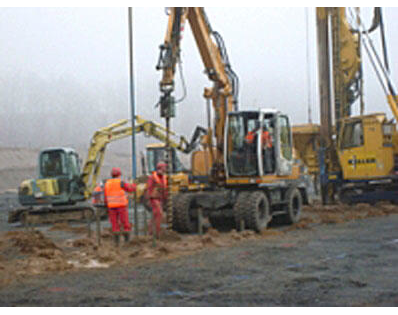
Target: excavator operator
250 147
251 135
266 143
117 204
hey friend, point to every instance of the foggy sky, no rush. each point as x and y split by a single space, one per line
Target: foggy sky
64 71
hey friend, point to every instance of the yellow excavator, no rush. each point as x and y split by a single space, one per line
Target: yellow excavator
246 182
357 155
62 191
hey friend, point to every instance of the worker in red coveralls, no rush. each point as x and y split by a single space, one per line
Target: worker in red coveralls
157 193
117 203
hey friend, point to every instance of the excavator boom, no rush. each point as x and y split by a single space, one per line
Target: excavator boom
223 93
119 130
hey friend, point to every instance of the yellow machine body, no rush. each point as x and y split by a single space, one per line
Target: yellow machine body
366 147
46 186
306 145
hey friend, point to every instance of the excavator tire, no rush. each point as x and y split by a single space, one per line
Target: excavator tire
293 206
240 209
182 212
257 212
175 222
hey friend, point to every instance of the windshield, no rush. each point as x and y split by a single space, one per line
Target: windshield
52 164
154 156
352 135
242 133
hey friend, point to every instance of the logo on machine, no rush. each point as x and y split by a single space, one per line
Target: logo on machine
357 162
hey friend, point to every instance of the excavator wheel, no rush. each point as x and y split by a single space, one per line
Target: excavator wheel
175 222
293 206
257 213
240 209
184 221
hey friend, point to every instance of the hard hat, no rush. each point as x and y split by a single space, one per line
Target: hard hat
116 172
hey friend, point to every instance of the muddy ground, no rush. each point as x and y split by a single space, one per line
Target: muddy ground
335 256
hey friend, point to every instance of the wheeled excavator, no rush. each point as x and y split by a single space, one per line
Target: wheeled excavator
357 155
62 191
246 184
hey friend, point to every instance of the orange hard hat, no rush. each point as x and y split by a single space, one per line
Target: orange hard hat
116 172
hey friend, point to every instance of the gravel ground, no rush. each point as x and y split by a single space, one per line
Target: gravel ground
339 264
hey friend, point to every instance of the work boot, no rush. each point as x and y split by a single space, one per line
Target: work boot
126 237
116 239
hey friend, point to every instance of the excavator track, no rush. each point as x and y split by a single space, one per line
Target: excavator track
46 215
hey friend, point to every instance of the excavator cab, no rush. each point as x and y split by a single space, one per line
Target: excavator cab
55 163
258 143
58 180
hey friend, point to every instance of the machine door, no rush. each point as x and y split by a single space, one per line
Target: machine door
242 144
54 165
283 146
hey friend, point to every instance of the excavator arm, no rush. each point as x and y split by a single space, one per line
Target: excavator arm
223 93
118 131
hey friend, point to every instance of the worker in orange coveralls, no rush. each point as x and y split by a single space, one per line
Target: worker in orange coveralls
157 193
116 201
98 195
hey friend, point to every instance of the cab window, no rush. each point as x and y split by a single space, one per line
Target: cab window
52 164
285 139
242 134
352 135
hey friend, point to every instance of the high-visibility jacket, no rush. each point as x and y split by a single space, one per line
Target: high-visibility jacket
266 139
157 186
114 193
250 137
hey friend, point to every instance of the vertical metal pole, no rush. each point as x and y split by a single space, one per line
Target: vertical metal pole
169 206
132 101
132 95
322 24
308 66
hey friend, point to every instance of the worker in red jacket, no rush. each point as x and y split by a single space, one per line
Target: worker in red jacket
157 193
117 203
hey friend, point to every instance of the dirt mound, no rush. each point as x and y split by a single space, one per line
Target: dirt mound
31 241
170 236
83 242
341 213
27 253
